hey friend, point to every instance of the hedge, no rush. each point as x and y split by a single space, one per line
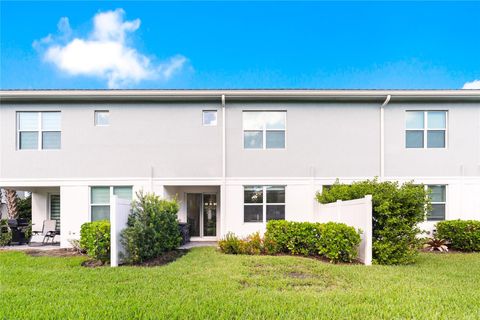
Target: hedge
397 211
463 235
335 241
95 239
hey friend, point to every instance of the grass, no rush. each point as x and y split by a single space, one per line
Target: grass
208 284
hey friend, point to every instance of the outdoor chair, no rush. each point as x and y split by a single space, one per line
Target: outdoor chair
48 231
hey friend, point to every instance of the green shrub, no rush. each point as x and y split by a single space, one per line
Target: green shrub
335 241
338 242
293 237
397 210
230 244
95 239
462 235
152 228
5 233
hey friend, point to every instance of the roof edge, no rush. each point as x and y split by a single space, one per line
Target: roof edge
238 94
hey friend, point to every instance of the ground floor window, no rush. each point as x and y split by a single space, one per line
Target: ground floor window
263 203
439 201
100 200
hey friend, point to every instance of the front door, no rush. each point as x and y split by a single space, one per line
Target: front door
202 214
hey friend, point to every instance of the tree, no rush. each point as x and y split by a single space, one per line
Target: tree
12 201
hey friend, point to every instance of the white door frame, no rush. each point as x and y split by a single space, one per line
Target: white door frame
202 237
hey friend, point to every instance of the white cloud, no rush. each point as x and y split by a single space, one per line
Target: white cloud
475 84
105 53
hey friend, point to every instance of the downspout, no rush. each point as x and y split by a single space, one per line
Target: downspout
223 189
382 137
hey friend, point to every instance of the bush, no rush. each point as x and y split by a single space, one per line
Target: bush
230 244
338 242
5 233
152 228
334 241
462 235
293 237
95 240
397 210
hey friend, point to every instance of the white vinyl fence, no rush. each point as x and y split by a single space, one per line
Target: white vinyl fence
356 213
119 211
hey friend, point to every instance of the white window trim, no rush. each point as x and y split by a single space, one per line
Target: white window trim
444 202
40 131
101 204
426 129
264 132
216 117
95 118
264 202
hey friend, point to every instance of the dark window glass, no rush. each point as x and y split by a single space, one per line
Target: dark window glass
253 213
275 194
275 212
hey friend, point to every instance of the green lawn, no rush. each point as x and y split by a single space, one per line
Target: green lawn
208 284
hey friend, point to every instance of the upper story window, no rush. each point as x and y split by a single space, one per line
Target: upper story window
264 129
257 206
38 130
102 118
209 118
438 197
426 129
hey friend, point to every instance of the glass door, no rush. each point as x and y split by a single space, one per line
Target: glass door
202 214
194 207
209 215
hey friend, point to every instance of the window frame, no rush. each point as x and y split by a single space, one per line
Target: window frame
203 117
39 130
111 188
95 118
264 203
264 131
427 187
425 129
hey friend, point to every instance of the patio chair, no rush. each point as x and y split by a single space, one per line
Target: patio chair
48 231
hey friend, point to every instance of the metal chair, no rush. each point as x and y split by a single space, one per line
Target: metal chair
48 231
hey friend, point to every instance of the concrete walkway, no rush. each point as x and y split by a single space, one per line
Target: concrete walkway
32 246
195 244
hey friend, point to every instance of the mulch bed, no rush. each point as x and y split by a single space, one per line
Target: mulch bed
53 253
166 258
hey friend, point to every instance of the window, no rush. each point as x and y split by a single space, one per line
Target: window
209 117
257 206
264 129
38 130
100 200
102 118
426 129
439 199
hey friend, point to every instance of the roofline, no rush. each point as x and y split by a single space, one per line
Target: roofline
239 94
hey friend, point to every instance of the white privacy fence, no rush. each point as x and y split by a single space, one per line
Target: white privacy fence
119 211
356 213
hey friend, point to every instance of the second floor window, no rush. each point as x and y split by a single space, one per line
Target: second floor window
102 118
38 130
264 129
426 129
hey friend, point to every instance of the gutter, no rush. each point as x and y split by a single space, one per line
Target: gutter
236 95
382 136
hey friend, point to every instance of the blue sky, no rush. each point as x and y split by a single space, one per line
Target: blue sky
239 45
